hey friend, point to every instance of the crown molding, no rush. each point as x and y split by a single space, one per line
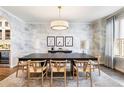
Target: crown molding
11 14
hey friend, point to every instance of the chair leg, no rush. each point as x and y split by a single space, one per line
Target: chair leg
73 73
17 72
51 81
90 74
28 78
77 78
99 69
42 79
65 77
23 68
46 73
28 74
17 69
86 75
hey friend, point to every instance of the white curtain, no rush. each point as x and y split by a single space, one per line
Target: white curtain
109 42
112 32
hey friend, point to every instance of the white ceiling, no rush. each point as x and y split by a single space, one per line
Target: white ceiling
41 14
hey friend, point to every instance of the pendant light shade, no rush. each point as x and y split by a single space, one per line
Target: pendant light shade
59 24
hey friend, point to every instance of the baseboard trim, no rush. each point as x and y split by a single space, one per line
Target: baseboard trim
112 69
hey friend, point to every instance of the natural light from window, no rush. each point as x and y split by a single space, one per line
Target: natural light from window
120 40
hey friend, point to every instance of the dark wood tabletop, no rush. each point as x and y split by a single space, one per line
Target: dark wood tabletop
57 56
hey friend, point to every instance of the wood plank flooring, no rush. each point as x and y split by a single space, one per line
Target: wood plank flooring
5 72
116 75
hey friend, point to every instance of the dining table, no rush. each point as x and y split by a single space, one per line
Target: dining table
58 56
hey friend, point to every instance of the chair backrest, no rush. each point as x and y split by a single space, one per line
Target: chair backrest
58 64
84 65
37 64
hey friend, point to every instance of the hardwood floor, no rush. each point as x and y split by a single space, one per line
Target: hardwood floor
5 72
116 75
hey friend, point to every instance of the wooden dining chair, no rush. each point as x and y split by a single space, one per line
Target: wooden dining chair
37 67
82 66
96 64
58 66
22 65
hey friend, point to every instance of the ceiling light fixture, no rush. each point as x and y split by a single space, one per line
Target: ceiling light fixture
59 24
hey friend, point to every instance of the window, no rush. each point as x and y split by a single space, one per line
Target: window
119 47
6 24
0 24
4 29
7 34
0 34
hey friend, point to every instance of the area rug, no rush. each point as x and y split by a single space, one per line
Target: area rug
98 81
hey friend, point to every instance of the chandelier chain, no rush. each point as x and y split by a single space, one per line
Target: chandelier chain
59 7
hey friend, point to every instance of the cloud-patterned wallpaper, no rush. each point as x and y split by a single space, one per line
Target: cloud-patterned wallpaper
29 38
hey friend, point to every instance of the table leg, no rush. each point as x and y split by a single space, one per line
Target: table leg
71 69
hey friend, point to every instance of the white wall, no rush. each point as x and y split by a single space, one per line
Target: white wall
17 35
98 40
39 33
30 38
